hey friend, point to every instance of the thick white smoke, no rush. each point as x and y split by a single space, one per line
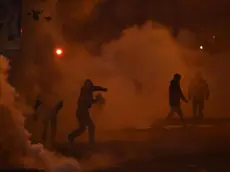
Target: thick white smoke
16 149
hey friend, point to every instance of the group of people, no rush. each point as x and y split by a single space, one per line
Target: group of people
198 93
84 103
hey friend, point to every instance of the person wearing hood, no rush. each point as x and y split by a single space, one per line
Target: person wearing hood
175 96
85 102
198 92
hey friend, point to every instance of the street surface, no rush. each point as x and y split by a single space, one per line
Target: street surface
195 149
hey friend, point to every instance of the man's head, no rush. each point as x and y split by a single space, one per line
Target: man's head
176 77
88 83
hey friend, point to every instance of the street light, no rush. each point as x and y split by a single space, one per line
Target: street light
59 51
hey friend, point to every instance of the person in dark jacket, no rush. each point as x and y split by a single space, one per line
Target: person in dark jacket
49 116
175 96
85 102
198 92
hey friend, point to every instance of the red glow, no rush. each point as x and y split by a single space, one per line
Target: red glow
59 51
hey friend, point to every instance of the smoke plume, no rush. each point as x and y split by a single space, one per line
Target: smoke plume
16 149
136 66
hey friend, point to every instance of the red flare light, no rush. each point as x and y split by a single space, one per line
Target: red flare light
59 51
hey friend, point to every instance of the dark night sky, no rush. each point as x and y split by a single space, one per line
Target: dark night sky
110 17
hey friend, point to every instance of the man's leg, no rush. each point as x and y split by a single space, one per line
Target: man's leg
91 130
181 115
53 129
194 108
171 113
77 132
201 109
81 115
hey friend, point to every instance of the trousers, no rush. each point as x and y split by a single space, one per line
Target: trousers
197 108
85 122
178 110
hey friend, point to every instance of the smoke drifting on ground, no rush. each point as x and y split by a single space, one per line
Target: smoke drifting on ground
11 134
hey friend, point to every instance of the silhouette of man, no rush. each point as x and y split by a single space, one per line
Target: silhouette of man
85 102
175 96
49 117
198 92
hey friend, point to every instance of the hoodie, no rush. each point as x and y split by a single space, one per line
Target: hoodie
198 90
175 94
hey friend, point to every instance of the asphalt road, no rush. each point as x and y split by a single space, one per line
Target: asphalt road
195 149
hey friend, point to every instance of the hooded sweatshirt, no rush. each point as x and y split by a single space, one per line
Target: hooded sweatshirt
175 94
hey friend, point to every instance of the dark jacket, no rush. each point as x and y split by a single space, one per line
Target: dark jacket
86 99
86 95
175 94
198 90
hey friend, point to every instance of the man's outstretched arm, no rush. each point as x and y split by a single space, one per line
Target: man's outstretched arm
99 88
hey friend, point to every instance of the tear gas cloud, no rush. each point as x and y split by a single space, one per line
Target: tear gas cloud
146 54
16 148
